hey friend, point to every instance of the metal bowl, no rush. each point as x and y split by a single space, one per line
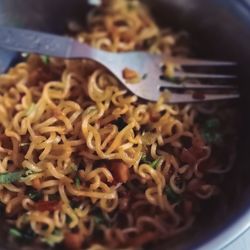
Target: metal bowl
219 29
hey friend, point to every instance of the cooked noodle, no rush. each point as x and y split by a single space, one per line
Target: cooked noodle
82 140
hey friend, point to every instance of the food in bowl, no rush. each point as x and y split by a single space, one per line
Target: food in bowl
85 163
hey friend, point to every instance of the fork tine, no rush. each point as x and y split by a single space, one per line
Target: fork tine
197 62
188 98
203 75
166 84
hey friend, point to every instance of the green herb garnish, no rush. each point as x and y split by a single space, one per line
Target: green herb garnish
148 160
45 59
7 178
212 138
25 234
210 131
212 123
35 195
57 232
155 163
74 167
99 220
55 238
172 196
15 233
77 182
98 217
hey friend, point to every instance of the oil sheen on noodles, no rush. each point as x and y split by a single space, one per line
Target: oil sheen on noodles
96 167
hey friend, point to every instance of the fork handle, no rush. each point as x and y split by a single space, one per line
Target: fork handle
6 59
29 41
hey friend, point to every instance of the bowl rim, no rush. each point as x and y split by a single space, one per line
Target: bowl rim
229 232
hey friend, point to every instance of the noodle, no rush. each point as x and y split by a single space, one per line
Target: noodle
96 159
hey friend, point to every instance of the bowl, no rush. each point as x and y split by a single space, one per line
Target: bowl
220 30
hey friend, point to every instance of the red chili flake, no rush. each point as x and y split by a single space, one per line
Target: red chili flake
47 206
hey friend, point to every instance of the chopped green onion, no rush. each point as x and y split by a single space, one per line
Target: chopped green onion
212 123
145 159
35 195
25 234
74 167
212 137
57 232
155 163
172 196
29 172
7 178
45 59
148 160
15 233
210 131
98 216
53 239
99 220
77 182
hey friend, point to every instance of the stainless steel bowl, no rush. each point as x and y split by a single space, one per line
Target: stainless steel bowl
220 29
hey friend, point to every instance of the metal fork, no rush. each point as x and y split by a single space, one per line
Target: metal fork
143 63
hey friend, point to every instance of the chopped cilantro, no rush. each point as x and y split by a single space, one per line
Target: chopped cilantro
35 195
7 178
77 182
210 131
15 233
25 234
98 217
172 196
155 163
148 160
45 59
99 220
53 239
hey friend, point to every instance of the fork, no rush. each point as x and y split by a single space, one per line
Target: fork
145 64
